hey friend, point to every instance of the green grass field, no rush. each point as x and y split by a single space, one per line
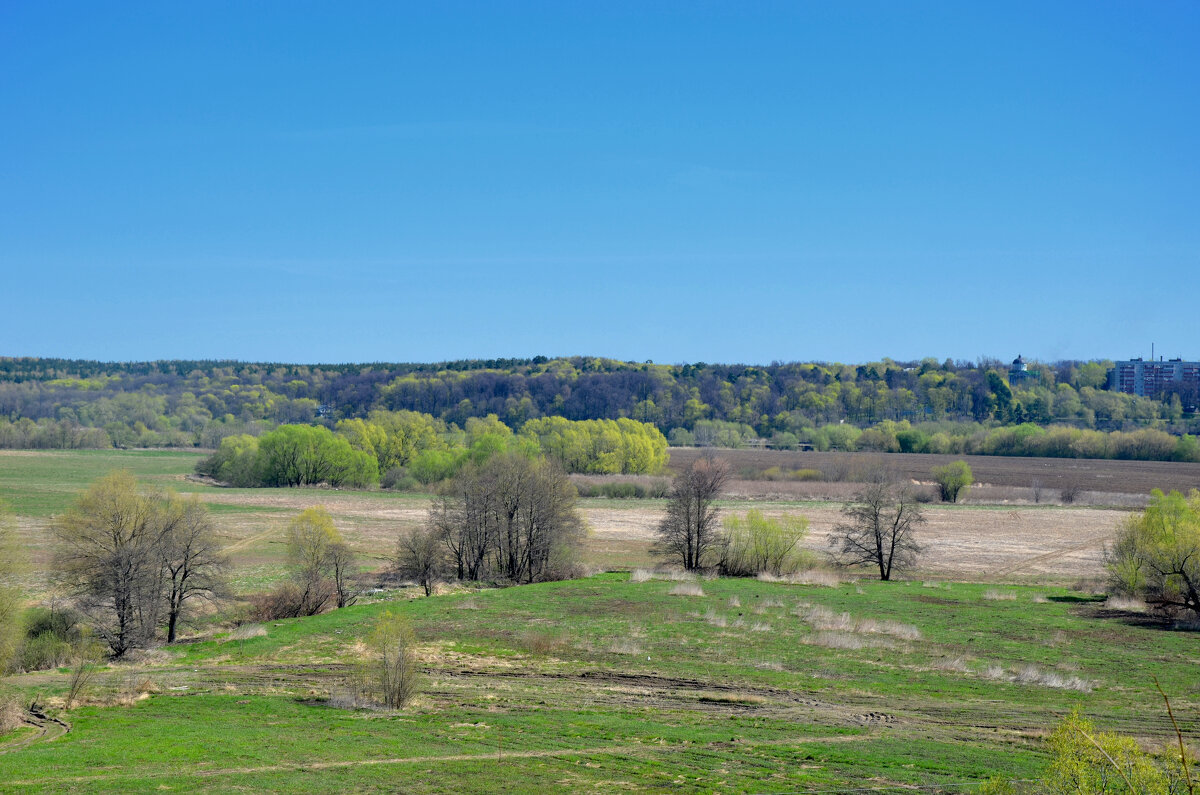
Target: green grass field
606 684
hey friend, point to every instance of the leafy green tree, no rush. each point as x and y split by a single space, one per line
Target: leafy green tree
1156 555
300 455
1085 761
235 462
312 540
953 480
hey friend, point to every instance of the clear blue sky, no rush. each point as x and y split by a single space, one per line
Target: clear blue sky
737 182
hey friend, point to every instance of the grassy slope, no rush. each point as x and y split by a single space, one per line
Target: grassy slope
600 683
603 681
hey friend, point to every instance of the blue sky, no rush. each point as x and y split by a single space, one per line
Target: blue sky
737 182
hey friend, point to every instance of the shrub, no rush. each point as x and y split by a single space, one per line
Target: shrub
755 544
285 601
391 667
953 479
12 714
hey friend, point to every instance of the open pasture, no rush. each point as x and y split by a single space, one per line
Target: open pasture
604 683
977 542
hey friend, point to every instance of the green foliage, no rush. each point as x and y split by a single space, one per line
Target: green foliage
1089 762
236 462
1156 555
603 447
953 480
755 544
291 455
301 455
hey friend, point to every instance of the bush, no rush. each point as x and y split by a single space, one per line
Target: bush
285 601
50 635
390 671
953 480
755 544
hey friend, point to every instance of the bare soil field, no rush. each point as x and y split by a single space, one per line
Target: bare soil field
1046 545
1054 474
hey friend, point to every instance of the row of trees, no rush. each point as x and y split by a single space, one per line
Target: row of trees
511 518
405 444
1027 439
190 403
134 560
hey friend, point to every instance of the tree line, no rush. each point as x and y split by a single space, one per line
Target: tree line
396 447
199 403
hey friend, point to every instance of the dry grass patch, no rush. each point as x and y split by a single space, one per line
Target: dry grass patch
246 632
1125 604
542 642
625 646
955 664
715 619
1032 675
820 577
735 602
686 589
994 595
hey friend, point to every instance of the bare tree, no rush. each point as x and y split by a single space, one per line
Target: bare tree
108 557
690 532
342 567
512 518
193 565
420 556
878 529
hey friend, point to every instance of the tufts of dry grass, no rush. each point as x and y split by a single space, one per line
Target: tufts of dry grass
994 672
994 595
538 641
1032 675
12 714
625 646
955 664
247 631
686 589
735 602
821 577
822 619
1126 604
759 626
715 619
641 575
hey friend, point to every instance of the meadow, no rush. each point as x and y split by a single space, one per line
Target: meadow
622 680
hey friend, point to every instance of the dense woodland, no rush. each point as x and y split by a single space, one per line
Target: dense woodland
888 405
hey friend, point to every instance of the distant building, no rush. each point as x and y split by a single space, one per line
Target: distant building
1018 371
1153 378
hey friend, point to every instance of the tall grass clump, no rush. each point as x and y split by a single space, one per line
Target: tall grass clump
686 589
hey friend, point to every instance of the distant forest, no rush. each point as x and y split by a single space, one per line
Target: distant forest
887 405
